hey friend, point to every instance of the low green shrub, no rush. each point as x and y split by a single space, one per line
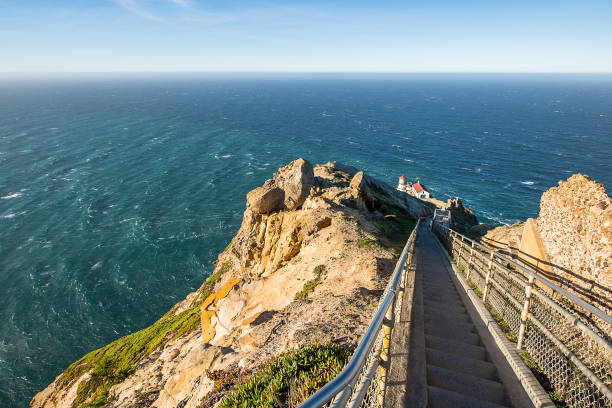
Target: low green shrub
318 271
346 218
308 287
289 379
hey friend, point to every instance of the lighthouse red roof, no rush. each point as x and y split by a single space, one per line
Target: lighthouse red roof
418 187
402 177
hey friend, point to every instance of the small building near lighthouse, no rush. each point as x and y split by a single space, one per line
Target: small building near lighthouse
419 191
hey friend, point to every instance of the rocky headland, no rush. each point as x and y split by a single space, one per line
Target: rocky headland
301 277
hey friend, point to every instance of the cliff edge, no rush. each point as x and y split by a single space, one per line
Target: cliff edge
304 272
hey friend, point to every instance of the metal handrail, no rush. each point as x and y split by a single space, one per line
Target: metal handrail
598 312
354 366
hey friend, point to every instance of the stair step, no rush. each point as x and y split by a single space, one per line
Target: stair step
440 290
442 297
460 363
455 347
480 388
451 305
446 286
441 398
449 333
449 324
445 315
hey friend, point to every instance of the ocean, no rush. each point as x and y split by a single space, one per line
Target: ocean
118 192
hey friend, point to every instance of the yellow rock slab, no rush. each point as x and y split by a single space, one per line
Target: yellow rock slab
206 315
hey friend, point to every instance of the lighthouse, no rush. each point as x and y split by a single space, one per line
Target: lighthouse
401 184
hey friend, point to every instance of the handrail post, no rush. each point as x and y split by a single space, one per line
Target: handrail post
460 250
469 268
383 361
488 279
525 313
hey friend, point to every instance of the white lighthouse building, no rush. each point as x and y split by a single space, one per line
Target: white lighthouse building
403 185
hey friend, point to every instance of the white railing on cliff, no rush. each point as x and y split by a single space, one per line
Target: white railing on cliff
362 382
568 338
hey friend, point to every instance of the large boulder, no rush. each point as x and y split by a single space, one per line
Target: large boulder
295 180
264 200
360 193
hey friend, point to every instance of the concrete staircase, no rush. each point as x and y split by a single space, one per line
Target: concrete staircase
458 369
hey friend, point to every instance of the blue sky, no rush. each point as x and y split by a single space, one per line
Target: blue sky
297 36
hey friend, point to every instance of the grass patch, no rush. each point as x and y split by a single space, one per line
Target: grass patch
376 244
289 379
318 271
510 335
307 289
368 243
311 284
350 219
209 285
398 223
475 288
116 361
555 396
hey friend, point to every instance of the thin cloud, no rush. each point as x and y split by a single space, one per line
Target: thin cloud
182 3
133 7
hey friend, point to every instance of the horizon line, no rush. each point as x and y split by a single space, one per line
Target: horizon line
27 73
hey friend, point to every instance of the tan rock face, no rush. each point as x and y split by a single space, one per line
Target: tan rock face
264 201
575 227
359 192
295 180
251 314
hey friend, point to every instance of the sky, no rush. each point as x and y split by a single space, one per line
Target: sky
47 36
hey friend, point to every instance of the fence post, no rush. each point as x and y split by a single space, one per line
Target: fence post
383 361
525 313
460 250
488 280
469 268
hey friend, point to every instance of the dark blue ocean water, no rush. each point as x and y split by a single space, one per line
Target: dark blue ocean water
116 194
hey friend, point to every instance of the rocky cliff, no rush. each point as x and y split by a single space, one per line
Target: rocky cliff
575 228
308 264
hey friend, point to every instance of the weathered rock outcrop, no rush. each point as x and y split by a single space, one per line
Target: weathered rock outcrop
295 180
462 218
307 234
575 229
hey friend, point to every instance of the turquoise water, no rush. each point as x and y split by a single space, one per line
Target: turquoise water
117 194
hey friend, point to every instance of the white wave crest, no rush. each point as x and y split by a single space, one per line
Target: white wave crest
6 197
13 215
